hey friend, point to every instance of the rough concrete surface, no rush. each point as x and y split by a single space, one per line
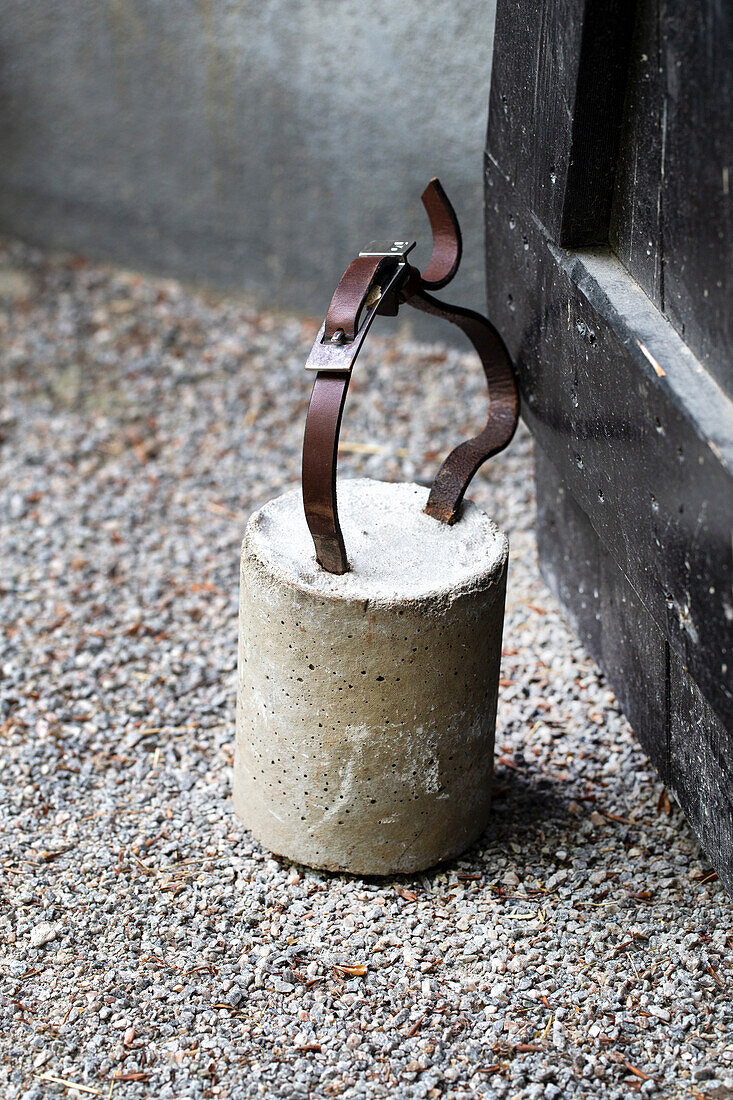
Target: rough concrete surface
242 144
366 702
150 947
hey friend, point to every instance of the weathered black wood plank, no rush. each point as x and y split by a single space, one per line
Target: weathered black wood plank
690 748
635 229
672 219
696 57
640 434
701 753
624 359
569 553
605 611
555 108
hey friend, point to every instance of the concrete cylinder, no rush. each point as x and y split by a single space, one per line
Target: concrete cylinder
366 702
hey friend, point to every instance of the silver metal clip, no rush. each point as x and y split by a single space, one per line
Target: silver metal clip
400 249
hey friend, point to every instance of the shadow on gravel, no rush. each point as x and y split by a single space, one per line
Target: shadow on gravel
530 813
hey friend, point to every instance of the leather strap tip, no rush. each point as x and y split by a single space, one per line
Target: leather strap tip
447 243
442 513
331 558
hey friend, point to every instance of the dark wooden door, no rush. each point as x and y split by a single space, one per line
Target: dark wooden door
609 178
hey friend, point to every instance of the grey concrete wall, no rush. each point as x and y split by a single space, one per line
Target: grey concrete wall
253 144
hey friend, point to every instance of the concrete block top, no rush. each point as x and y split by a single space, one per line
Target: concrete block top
395 551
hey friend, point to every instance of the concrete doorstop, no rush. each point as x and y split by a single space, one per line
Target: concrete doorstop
367 701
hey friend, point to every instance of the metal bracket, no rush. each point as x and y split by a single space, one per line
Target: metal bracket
389 248
340 355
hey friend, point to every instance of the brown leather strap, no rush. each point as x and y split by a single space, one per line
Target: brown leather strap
447 240
351 293
455 474
323 422
320 453
400 284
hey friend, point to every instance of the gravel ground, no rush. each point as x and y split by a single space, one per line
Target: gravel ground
150 947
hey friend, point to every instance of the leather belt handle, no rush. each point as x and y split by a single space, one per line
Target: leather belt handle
379 281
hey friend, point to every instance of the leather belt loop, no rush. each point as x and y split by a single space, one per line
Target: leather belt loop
350 295
380 280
